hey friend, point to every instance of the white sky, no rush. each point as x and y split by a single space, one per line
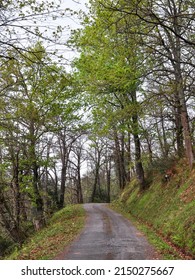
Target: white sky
68 23
73 22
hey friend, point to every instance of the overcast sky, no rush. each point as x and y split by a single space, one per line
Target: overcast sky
76 6
68 23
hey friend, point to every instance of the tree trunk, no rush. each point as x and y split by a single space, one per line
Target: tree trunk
79 186
119 164
16 189
138 163
64 160
39 220
138 160
183 110
178 127
165 144
108 177
9 222
123 161
96 179
186 131
129 159
38 211
95 183
55 196
63 185
177 50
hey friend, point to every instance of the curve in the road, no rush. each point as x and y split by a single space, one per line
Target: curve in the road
108 236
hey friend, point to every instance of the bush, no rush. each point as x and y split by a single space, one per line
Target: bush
5 244
161 165
101 197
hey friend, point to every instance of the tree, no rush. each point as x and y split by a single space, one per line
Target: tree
21 25
169 39
34 91
110 67
67 138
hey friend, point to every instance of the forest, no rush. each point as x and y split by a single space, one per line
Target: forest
79 132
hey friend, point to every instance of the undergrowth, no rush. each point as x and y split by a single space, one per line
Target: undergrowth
166 209
63 227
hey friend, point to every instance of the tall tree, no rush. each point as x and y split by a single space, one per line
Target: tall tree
169 41
110 66
34 91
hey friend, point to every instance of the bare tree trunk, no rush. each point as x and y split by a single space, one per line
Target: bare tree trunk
56 201
38 211
64 161
16 188
138 163
129 159
63 185
39 220
96 186
79 186
46 200
178 127
165 144
119 161
123 161
96 179
108 177
181 95
186 131
138 160
177 51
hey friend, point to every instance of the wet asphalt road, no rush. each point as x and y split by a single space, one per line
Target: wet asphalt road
108 236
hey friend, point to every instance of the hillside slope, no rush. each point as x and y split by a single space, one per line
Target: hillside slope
61 230
166 207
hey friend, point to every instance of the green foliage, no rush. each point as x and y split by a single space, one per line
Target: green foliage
37 103
101 196
4 245
23 11
107 69
165 251
163 164
167 207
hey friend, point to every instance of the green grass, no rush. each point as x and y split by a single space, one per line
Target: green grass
166 209
163 248
46 244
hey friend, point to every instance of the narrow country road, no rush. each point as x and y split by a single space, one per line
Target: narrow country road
108 236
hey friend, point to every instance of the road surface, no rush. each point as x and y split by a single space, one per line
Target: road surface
108 236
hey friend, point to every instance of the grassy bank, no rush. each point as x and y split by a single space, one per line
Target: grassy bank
63 227
165 211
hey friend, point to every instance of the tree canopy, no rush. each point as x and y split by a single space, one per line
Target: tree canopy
124 110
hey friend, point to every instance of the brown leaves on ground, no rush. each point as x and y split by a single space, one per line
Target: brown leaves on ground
49 241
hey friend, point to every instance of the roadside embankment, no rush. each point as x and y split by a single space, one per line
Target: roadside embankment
165 212
62 228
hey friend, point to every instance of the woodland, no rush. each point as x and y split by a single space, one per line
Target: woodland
124 107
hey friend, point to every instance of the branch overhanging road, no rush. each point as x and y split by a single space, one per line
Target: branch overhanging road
107 235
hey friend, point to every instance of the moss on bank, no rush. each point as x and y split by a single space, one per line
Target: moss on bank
167 209
63 227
